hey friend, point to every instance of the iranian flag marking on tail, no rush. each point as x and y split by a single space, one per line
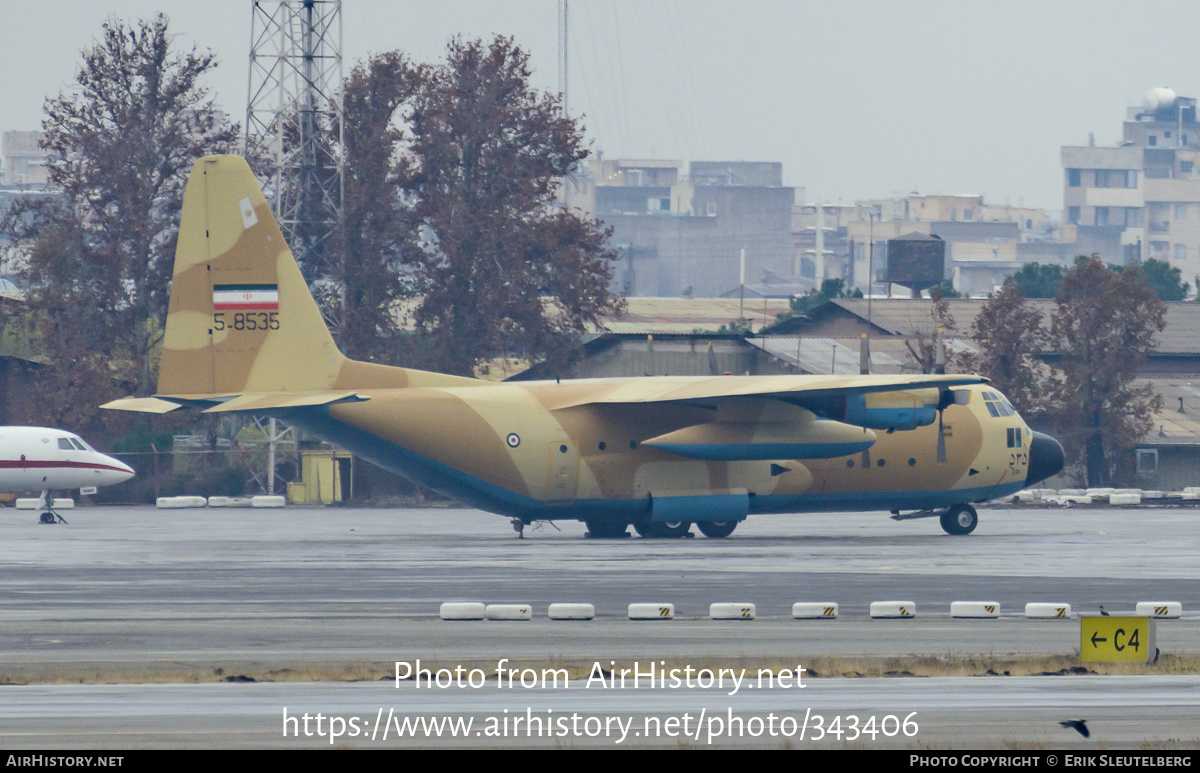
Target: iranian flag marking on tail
245 298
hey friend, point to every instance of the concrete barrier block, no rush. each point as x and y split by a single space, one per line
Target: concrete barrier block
730 610
975 609
571 611
268 501
815 610
29 503
1125 499
1052 610
176 503
509 612
462 610
230 501
1161 609
651 611
893 609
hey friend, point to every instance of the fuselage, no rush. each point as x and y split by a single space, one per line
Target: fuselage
537 451
45 459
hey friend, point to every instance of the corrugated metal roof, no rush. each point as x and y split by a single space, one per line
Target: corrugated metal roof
1172 426
903 316
685 315
834 355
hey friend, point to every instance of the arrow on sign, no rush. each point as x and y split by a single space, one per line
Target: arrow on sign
1095 639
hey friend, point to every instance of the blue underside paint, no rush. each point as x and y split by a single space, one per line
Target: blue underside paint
707 507
730 452
486 496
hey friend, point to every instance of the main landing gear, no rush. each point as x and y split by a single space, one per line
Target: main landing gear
664 529
647 529
959 519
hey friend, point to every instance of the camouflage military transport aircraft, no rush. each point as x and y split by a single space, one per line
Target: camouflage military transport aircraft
245 335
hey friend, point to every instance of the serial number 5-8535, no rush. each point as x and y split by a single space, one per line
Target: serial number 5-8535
247 320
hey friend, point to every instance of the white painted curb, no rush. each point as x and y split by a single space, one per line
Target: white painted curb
975 609
893 609
647 611
725 610
462 610
230 501
815 610
175 503
509 612
1125 499
1163 609
1043 609
571 611
266 501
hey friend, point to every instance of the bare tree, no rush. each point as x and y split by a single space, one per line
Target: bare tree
120 145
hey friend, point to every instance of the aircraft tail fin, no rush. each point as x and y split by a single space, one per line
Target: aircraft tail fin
241 318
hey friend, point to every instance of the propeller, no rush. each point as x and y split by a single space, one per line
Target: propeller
947 398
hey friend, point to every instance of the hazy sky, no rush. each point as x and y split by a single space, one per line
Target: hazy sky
857 99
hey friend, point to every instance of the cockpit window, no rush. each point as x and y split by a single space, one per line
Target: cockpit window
82 446
997 405
64 444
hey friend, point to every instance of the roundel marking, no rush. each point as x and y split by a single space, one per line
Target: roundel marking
513 440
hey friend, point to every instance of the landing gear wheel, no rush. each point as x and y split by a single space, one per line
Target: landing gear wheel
47 518
663 529
716 529
959 519
605 529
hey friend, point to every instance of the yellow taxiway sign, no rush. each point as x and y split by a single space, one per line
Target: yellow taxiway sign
1116 639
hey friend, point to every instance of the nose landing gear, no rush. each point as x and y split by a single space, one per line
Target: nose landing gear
959 519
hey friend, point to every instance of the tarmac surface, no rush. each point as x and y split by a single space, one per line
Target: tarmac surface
129 593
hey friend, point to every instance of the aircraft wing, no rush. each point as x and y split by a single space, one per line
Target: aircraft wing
248 402
798 390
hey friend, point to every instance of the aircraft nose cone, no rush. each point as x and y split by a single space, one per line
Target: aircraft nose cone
1046 458
120 473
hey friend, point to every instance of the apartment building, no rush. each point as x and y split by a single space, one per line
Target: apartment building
1139 198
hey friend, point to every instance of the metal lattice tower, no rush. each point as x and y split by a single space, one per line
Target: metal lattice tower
562 53
294 126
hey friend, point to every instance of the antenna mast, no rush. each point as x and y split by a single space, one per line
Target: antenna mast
562 53
294 127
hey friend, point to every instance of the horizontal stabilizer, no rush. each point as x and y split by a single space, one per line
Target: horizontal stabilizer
142 405
256 403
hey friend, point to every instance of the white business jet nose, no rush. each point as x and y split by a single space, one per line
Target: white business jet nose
113 471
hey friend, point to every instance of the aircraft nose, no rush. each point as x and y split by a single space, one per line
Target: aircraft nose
120 473
1046 458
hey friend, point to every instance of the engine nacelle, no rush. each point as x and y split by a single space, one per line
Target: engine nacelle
905 409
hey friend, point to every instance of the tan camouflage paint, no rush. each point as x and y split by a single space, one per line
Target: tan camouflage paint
577 439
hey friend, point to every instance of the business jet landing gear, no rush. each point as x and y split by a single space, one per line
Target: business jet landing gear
716 529
45 504
959 519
